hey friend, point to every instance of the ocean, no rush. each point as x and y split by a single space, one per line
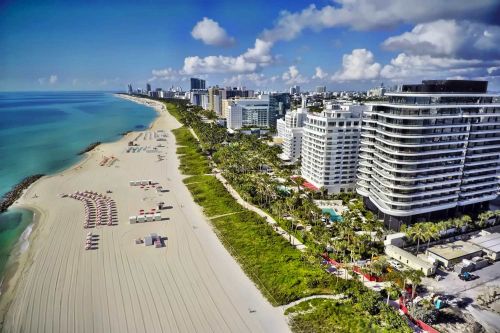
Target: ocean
42 132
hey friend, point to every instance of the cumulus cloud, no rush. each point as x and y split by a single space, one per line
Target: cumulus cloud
320 74
293 76
211 33
359 65
463 39
166 74
251 61
406 66
52 79
255 79
372 14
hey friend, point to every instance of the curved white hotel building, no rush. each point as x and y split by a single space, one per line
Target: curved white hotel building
431 151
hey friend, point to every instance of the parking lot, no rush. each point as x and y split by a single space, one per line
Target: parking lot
451 284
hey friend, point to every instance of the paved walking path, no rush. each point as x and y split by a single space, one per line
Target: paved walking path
269 219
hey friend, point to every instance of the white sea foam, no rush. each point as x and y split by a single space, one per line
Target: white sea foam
25 238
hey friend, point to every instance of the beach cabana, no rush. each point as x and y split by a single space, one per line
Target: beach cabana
149 217
157 217
132 219
141 218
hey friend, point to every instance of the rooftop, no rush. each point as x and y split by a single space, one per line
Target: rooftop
454 250
490 242
444 86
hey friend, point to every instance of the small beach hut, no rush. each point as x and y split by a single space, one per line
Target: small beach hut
131 183
144 182
141 218
149 217
148 241
157 217
132 219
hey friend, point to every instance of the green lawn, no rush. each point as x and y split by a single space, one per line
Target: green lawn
324 315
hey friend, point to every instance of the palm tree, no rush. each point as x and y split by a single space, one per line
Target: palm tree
417 232
466 220
415 278
458 223
432 232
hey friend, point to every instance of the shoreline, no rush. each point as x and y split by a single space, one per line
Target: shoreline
18 260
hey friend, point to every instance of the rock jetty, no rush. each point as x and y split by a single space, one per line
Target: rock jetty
14 194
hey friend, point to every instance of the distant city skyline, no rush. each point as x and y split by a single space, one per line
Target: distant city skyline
355 44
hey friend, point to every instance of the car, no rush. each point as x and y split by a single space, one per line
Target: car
395 264
467 276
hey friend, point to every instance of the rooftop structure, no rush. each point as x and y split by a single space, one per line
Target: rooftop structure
452 253
489 243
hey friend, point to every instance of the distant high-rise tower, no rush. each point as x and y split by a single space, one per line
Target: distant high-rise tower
148 87
197 84
320 89
295 90
130 90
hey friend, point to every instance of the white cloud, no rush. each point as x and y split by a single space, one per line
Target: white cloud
371 14
293 76
251 61
493 69
211 33
166 74
359 65
52 79
320 74
255 79
449 38
421 66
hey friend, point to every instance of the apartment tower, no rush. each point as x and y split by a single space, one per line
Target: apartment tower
431 151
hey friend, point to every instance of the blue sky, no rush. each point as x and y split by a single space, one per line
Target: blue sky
345 44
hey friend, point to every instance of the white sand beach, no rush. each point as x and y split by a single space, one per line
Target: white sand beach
192 284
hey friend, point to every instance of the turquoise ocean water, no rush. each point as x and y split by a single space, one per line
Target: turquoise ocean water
42 132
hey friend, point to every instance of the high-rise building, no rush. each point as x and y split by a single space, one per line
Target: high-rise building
291 130
197 84
197 97
247 112
283 102
130 91
214 100
295 90
148 87
320 89
431 151
330 147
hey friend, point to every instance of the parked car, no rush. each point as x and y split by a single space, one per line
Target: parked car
467 276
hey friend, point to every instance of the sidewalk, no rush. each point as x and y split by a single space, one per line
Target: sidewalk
294 241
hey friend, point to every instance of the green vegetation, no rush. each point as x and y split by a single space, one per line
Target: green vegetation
361 313
429 231
210 194
191 161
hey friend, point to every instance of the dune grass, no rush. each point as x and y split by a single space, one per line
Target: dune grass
325 315
192 162
210 194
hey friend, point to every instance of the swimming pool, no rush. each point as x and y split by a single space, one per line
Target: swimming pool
334 217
